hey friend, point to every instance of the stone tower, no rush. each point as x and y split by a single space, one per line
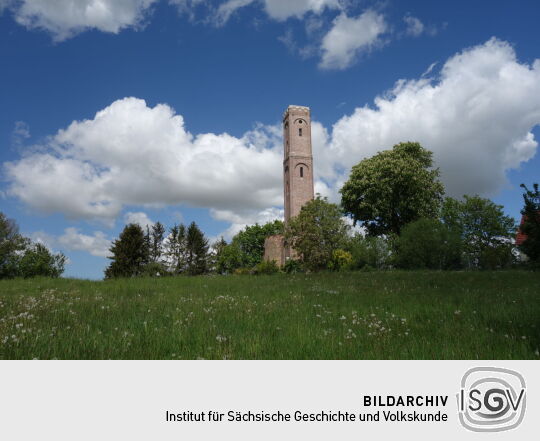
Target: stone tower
297 176
298 160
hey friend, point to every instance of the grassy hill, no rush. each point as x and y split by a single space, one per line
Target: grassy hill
378 315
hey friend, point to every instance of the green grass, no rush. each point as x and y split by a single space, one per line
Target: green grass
378 315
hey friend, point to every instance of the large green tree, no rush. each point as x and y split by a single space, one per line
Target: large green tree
316 233
393 188
11 246
20 257
38 260
247 247
486 232
129 253
531 223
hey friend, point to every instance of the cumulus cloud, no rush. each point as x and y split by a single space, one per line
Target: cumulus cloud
97 244
349 37
65 18
476 117
132 154
138 217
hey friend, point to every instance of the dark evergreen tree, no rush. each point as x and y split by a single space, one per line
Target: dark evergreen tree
531 223
156 242
129 253
196 250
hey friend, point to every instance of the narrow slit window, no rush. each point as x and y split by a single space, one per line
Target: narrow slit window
301 172
300 131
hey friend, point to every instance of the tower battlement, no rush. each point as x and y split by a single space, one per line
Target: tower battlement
295 109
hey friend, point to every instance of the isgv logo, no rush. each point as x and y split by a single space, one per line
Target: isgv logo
491 399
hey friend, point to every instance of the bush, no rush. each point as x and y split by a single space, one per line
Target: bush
497 257
293 266
341 260
373 252
428 244
266 267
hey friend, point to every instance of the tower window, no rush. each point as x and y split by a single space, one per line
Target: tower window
301 172
300 131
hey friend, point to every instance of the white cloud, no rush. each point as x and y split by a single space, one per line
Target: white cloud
139 218
65 18
476 118
96 244
131 154
415 27
349 37
241 218
276 9
281 10
225 10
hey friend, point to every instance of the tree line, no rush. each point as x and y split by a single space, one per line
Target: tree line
395 198
184 250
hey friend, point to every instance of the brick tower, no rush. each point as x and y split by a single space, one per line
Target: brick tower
297 176
298 160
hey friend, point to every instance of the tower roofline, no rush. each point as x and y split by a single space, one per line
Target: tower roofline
298 108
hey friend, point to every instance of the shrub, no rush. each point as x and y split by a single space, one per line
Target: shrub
428 244
341 260
293 266
266 267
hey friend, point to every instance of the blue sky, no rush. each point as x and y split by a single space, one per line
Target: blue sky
169 110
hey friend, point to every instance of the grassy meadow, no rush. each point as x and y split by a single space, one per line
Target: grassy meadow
360 315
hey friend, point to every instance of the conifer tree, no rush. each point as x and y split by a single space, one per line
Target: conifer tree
196 250
175 249
156 242
128 253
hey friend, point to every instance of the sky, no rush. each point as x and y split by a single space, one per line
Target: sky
118 111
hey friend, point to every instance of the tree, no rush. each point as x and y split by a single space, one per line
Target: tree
129 253
486 232
369 252
250 241
531 223
37 260
156 242
393 188
175 249
215 254
229 259
12 244
428 244
316 233
196 250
